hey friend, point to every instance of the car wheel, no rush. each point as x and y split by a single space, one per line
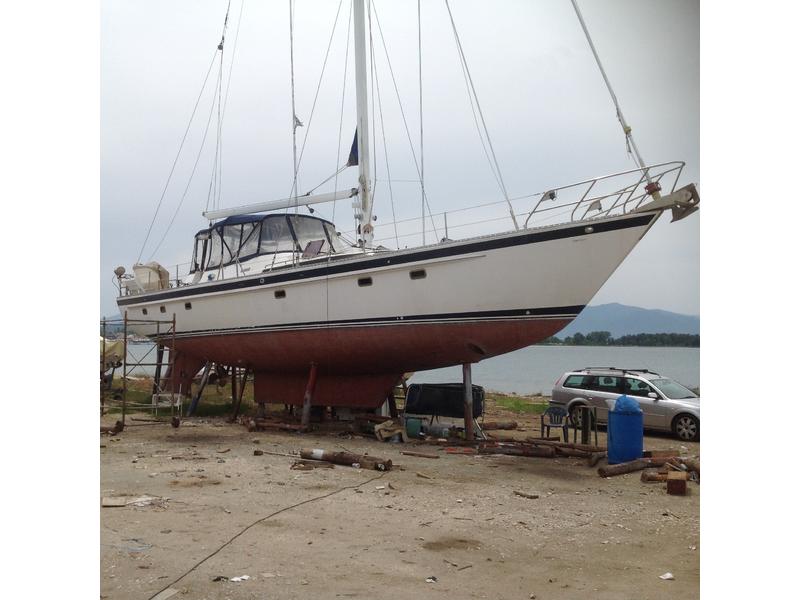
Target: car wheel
687 427
576 416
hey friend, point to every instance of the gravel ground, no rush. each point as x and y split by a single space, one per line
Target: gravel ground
349 533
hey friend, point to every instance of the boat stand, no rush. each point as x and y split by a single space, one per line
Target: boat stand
307 397
165 340
469 429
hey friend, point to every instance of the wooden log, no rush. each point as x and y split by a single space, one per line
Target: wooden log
561 451
584 447
676 482
501 438
693 464
419 454
653 476
660 453
486 425
518 450
347 458
631 466
596 457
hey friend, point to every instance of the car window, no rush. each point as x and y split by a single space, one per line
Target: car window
577 381
637 387
673 389
606 383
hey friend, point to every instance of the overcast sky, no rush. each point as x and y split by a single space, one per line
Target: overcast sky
549 115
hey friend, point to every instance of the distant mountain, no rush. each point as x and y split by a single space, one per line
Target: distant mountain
628 320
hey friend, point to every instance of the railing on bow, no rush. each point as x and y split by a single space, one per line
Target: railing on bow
604 196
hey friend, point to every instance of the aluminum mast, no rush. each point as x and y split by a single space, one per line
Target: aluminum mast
364 207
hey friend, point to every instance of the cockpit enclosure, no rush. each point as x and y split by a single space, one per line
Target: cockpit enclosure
243 237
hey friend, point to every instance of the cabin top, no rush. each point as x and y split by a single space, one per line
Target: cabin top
243 237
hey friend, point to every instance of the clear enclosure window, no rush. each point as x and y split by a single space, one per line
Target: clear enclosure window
275 236
250 239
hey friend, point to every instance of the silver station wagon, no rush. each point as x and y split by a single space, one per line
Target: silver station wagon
666 404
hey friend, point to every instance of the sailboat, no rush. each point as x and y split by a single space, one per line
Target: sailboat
286 296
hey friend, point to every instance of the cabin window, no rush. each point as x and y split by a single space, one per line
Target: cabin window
280 293
214 251
418 274
307 231
365 282
275 236
333 238
144 311
232 236
250 240
163 309
188 306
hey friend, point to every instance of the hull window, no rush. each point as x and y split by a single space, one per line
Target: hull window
280 294
365 282
419 274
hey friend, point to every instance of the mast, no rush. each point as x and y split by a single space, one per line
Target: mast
364 207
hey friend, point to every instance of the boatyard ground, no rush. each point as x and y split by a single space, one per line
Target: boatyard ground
447 527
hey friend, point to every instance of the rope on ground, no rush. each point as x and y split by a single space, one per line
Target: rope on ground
261 520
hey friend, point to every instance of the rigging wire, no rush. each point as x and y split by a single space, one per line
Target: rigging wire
377 95
626 129
191 176
177 156
319 85
341 110
402 112
480 112
205 134
295 121
218 179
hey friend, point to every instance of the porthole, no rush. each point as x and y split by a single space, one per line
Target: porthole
280 293
188 306
418 274
163 309
144 311
365 282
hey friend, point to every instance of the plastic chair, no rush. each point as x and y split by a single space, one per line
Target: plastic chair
556 417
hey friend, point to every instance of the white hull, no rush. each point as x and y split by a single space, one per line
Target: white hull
468 279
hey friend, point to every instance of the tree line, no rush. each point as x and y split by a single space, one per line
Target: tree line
604 338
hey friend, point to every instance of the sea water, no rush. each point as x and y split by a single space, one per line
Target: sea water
535 369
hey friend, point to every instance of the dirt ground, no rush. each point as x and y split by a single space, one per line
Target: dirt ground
349 533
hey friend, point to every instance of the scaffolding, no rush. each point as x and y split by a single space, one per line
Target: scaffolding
162 340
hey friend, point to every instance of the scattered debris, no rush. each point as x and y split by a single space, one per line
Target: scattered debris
117 501
347 458
167 593
431 579
390 428
631 466
526 495
258 452
419 454
676 483
114 501
667 576
488 425
310 465
116 429
240 578
423 475
224 451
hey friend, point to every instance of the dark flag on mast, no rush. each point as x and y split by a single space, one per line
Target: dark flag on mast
352 160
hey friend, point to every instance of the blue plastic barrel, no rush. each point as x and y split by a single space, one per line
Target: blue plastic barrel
625 431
